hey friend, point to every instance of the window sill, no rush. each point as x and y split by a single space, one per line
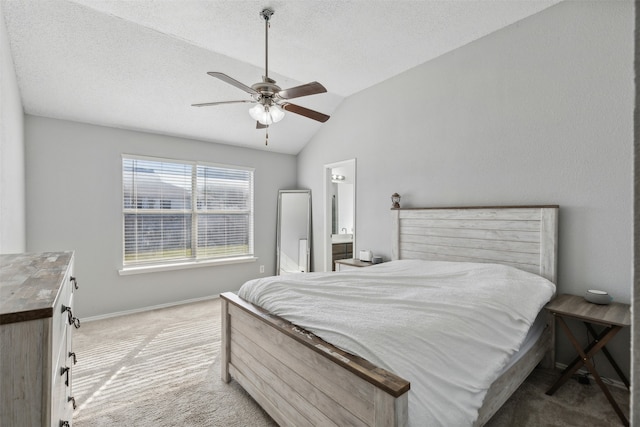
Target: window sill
126 271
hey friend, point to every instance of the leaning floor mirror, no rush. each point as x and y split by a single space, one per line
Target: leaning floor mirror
293 231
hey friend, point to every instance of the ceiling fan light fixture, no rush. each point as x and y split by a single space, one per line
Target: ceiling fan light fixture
265 114
276 113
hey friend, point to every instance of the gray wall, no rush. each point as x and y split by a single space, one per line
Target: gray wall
12 173
538 113
74 201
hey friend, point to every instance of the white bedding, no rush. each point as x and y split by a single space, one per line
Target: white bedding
448 328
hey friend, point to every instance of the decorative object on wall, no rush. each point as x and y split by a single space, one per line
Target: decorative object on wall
269 98
395 199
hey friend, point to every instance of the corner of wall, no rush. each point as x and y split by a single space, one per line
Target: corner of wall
12 152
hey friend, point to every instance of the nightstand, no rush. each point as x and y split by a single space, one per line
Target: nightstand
613 317
350 264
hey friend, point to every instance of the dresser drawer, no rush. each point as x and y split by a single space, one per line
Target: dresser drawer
60 318
61 345
62 373
70 361
59 383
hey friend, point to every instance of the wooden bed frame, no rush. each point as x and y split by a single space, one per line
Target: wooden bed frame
299 379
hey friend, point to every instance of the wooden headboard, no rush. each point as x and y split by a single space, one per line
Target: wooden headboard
525 237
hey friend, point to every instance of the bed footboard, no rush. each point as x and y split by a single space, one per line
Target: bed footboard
299 379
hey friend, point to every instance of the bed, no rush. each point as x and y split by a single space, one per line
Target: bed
300 379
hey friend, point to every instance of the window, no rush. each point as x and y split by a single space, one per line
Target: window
177 211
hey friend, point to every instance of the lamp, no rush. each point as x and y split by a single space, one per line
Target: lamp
395 199
266 114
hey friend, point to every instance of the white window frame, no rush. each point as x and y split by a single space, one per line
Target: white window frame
194 260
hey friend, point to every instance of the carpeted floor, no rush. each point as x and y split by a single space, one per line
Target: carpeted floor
161 368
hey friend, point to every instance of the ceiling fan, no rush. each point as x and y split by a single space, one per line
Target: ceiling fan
269 98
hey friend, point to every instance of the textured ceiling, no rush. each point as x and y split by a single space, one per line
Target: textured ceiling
139 64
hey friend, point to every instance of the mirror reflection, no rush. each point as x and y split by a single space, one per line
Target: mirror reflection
342 211
293 231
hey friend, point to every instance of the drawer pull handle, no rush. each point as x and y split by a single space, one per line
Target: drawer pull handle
75 282
72 320
72 354
64 371
64 423
73 400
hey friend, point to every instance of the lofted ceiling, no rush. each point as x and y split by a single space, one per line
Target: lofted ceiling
140 64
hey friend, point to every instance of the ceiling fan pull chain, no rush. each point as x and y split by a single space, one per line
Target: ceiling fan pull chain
266 139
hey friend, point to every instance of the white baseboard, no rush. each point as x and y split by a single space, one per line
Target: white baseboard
608 381
143 309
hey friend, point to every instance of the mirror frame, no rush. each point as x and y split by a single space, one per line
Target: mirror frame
281 193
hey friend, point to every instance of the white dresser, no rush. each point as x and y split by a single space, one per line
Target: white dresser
36 329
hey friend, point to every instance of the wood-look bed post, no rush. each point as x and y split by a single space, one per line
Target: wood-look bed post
395 234
225 351
549 243
549 270
389 410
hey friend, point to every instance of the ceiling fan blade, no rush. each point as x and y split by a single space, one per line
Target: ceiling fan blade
233 82
206 104
302 90
260 125
305 112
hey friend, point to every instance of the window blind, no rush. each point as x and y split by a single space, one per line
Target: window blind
224 211
177 211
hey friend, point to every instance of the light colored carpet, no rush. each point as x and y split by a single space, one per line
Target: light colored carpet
161 368
158 368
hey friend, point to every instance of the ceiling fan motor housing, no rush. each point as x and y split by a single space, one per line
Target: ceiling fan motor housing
267 14
266 88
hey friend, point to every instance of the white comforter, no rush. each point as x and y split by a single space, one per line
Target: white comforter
448 328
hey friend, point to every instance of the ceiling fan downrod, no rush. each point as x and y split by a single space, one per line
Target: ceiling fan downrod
266 14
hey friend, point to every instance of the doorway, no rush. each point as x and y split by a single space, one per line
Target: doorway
339 211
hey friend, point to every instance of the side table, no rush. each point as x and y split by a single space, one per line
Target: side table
613 317
350 264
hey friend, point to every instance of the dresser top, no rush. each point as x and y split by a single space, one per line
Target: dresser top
30 283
